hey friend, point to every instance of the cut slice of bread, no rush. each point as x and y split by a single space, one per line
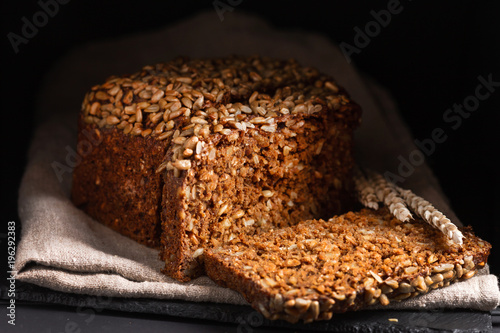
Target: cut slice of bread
316 268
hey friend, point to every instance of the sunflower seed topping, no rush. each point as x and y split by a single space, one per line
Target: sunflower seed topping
171 95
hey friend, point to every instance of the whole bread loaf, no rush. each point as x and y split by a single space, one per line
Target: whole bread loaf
192 153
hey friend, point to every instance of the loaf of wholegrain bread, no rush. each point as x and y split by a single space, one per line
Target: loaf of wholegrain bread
316 268
193 153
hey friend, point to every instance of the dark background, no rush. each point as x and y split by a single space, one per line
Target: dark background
429 57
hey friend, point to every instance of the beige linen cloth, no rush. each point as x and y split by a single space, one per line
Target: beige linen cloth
65 250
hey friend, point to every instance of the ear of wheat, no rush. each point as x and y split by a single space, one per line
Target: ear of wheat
373 189
365 190
387 193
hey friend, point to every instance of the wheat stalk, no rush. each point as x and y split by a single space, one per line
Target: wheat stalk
375 188
387 193
431 215
365 190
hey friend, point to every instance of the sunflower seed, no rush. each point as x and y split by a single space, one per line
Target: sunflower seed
331 86
267 193
468 275
182 164
187 102
469 263
152 108
198 120
261 307
179 140
175 114
199 147
146 94
157 96
302 304
187 152
428 280
113 91
419 284
436 278
411 269
269 128
197 253
94 107
102 95
376 277
165 135
392 283
443 268
162 167
191 142
405 288
128 128
146 132
198 104
459 270
186 80
156 117
238 214
112 120
278 302
253 97
138 116
384 300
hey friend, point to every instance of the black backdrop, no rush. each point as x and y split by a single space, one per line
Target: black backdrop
430 57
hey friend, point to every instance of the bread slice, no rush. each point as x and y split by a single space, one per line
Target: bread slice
316 268
193 152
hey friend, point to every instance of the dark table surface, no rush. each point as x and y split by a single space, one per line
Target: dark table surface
42 310
53 318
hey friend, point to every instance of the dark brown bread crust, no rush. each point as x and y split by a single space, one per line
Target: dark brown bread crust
116 182
195 152
316 268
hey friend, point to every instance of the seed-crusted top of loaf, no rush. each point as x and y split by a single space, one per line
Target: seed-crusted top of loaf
188 100
315 268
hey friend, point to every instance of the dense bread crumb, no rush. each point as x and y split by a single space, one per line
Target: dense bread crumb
316 268
238 145
117 184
